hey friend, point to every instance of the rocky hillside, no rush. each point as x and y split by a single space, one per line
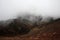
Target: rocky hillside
48 31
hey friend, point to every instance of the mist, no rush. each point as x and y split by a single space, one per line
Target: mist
12 8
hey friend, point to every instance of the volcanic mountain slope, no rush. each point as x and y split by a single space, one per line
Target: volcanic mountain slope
52 30
49 31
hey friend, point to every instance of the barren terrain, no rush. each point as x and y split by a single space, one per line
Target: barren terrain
49 31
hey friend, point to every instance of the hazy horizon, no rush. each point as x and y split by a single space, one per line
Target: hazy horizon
12 8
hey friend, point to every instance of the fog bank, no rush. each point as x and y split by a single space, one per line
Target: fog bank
11 8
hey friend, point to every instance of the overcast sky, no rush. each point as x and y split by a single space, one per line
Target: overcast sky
11 8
